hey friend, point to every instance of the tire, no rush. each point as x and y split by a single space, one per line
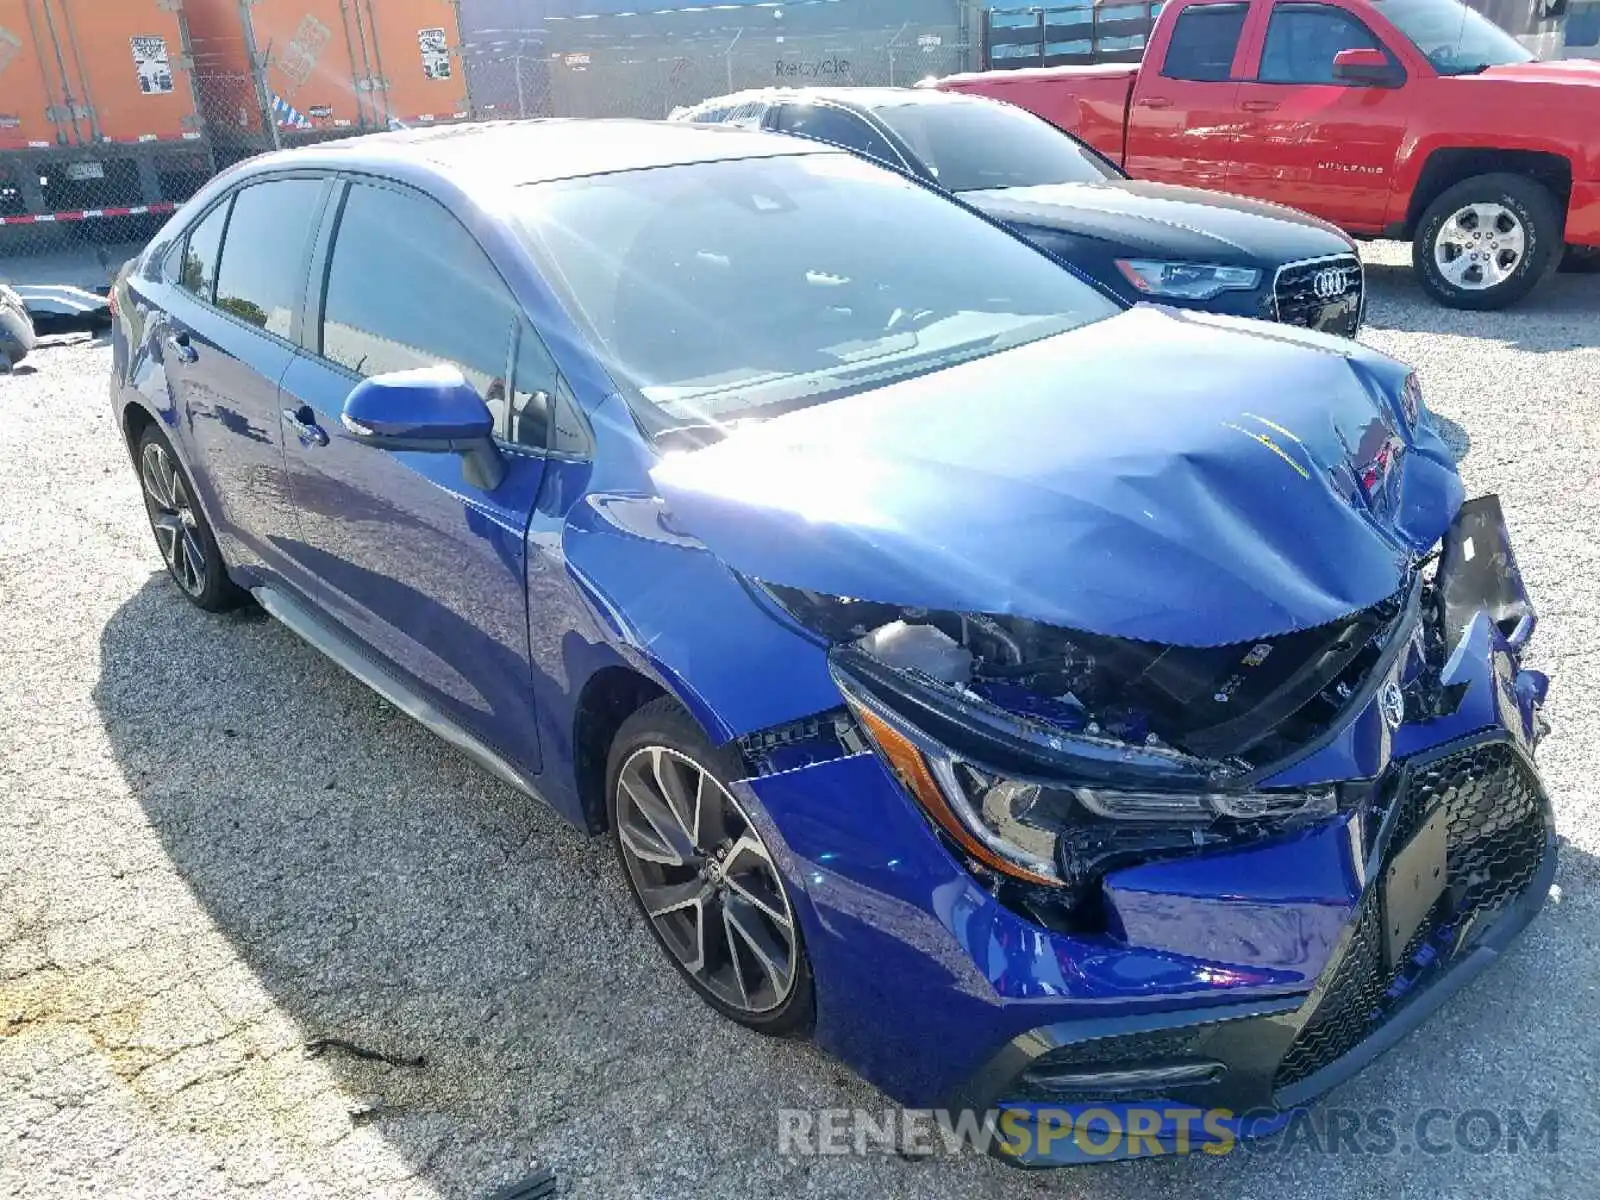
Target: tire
1515 215
656 754
183 535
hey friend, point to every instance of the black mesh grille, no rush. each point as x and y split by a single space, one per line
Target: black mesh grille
1325 294
1496 841
1134 1049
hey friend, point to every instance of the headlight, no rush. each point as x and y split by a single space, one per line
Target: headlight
1016 826
1185 280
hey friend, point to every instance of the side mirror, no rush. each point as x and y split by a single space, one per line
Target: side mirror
433 410
1366 68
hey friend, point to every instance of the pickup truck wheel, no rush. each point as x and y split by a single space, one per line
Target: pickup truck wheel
1485 242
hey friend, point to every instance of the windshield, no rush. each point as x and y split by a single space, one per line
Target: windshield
976 144
718 290
1454 38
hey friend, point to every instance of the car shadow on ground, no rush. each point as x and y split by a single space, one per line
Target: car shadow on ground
385 892
1557 315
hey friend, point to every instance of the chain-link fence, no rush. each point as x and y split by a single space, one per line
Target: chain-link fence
83 182
652 81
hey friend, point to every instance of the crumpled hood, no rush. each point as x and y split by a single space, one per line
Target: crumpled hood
1158 218
1171 476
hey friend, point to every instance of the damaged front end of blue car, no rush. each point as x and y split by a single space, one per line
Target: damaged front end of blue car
1187 757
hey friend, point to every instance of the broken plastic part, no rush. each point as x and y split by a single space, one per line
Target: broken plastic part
924 648
1218 703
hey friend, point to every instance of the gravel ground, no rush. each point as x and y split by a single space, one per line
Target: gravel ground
215 847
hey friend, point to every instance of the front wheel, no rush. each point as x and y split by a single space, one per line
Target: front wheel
702 873
1484 243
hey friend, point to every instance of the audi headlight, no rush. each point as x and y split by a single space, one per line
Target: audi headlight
1186 280
1024 829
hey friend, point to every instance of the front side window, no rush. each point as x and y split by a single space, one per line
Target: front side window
408 287
262 275
825 123
1454 38
1302 40
534 379
723 290
972 144
1204 42
193 264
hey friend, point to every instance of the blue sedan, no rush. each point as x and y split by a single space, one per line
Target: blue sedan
1027 697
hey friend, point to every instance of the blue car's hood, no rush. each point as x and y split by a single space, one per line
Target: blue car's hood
1175 477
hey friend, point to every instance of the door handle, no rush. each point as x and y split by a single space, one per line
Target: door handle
1258 105
304 423
178 343
1155 102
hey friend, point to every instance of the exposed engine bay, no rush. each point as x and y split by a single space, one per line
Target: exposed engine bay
1246 703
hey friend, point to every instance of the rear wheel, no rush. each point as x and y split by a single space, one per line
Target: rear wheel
703 875
1484 243
185 540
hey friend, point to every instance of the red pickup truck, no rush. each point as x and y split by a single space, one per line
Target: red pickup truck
1413 119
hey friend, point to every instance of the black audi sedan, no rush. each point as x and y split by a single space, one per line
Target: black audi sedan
1144 241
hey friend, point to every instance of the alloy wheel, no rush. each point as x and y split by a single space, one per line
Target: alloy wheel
1480 246
172 517
706 880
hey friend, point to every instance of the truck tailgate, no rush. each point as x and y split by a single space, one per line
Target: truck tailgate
1091 102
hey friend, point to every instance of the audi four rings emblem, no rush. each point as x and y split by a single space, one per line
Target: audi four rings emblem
1330 283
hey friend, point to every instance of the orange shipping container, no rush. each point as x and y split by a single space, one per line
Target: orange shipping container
324 66
94 72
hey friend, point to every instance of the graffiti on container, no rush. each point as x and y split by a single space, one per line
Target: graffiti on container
435 53
300 56
829 67
151 64
10 47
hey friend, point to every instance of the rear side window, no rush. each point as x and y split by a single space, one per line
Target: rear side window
834 125
1204 41
262 275
1302 40
194 265
408 287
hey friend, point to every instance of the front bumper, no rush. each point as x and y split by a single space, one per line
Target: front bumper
1271 1057
1291 294
1245 980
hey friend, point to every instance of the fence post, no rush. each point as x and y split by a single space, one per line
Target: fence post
974 39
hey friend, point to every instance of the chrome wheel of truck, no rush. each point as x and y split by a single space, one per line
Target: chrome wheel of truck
1480 246
1485 242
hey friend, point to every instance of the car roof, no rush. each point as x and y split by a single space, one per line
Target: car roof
514 153
870 98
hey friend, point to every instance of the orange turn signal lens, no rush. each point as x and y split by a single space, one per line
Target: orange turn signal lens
911 767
